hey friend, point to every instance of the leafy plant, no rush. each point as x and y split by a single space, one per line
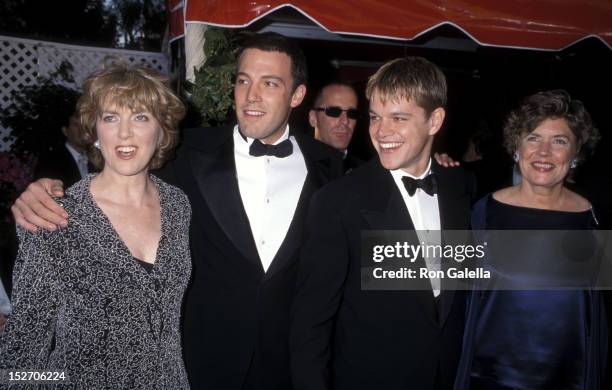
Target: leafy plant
213 85
140 23
35 116
38 112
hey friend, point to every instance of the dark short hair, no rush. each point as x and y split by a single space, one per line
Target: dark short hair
555 104
136 88
271 41
73 133
334 83
411 78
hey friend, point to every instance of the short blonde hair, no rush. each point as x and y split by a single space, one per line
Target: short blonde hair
136 88
411 78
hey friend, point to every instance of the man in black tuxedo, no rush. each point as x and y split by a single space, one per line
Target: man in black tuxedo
249 188
343 337
60 162
66 162
333 116
248 212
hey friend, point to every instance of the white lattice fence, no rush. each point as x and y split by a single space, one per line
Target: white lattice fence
22 61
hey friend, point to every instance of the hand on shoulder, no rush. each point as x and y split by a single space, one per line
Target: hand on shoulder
445 160
35 207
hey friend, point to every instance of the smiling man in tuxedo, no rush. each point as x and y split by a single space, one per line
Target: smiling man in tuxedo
249 186
346 338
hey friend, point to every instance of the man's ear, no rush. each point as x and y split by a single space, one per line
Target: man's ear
436 118
312 118
298 95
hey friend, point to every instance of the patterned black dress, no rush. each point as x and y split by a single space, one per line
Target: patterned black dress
84 305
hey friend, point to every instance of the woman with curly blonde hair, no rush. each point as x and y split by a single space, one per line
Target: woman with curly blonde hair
100 299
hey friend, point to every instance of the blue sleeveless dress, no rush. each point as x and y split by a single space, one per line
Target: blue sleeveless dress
532 339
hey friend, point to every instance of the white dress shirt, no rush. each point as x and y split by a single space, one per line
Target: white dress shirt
270 188
425 214
80 159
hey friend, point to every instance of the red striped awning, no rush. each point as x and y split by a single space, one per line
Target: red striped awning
176 18
536 24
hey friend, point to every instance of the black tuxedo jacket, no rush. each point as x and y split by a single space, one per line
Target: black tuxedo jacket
346 338
58 164
350 162
236 316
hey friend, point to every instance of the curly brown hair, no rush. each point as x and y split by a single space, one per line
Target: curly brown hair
133 87
555 104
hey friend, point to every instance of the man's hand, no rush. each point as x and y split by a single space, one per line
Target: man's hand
445 160
35 208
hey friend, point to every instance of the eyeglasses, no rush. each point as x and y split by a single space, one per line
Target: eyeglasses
335 112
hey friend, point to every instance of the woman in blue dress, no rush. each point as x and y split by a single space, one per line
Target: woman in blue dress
537 339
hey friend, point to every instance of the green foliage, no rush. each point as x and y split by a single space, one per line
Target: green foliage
85 21
140 23
35 116
38 112
213 86
132 24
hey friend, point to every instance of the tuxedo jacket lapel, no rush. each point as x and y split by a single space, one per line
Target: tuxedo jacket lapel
453 200
292 240
215 173
387 211
453 203
392 214
317 166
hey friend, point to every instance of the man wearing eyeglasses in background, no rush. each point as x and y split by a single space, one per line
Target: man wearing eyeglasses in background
334 116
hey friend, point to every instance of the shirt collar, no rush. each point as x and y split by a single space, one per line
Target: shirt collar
75 153
249 140
398 173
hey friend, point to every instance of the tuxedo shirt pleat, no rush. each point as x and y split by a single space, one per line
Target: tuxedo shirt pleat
270 188
425 215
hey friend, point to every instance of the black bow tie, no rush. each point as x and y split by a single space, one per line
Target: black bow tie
427 184
281 150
